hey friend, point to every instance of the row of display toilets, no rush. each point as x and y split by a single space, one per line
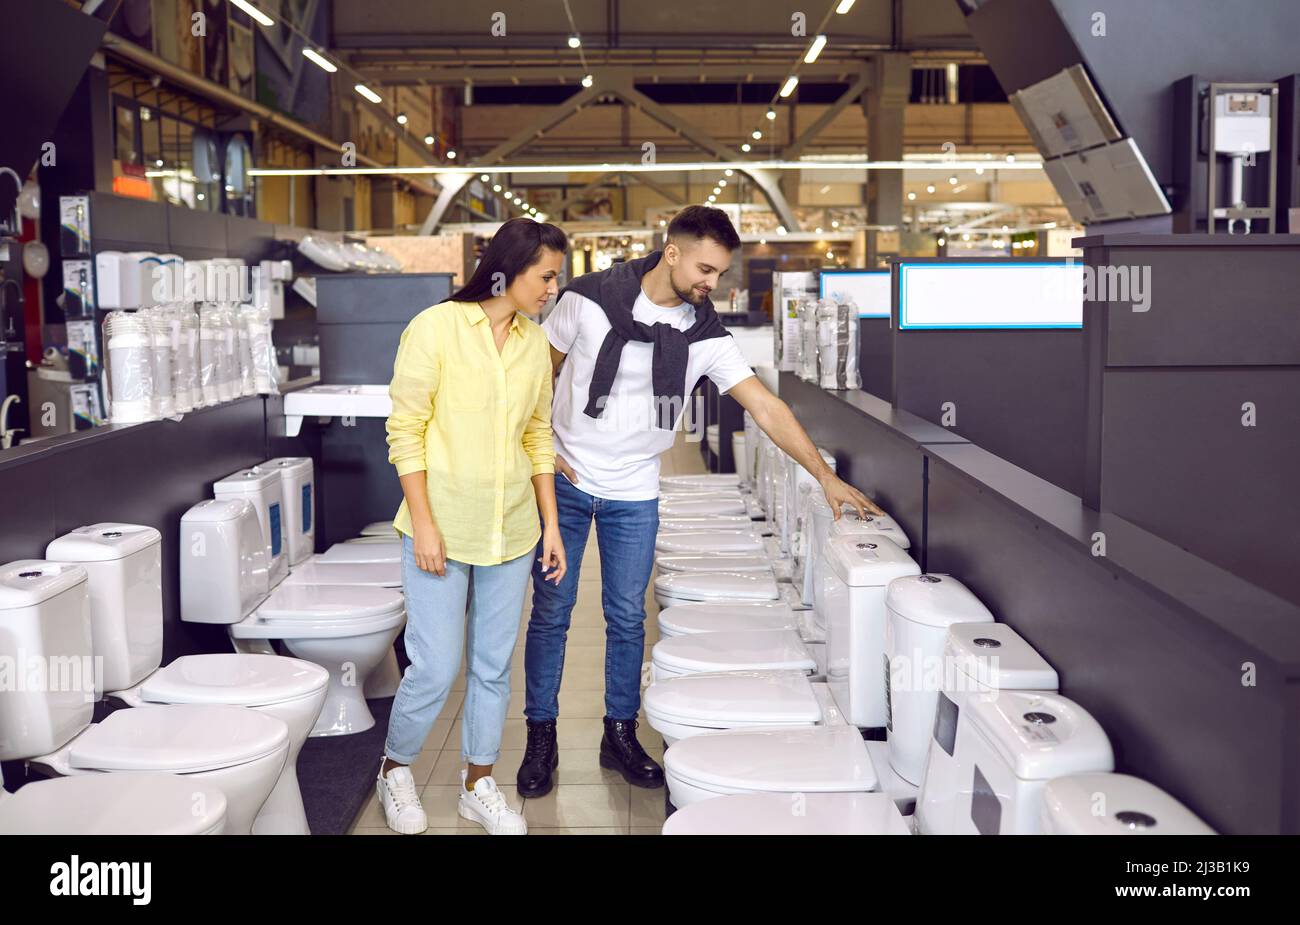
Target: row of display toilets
210 741
764 690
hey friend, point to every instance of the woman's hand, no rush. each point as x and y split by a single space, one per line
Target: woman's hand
552 558
430 553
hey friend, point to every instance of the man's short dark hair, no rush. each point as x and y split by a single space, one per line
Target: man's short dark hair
704 222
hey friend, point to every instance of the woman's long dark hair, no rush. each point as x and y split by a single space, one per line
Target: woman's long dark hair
515 247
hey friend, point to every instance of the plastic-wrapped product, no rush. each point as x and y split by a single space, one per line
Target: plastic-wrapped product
227 356
837 344
257 320
211 338
183 359
160 330
128 343
808 315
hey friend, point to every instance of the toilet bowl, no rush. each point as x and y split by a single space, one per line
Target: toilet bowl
45 609
346 629
920 611
298 489
707 482
851 813
710 617
123 565
981 660
711 542
1114 804
741 650
113 804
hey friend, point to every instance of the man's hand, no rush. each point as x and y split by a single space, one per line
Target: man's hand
838 492
563 468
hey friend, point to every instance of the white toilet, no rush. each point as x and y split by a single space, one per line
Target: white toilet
741 650
729 562
123 563
710 542
920 611
347 629
673 507
707 482
672 588
852 813
113 804
45 610
382 528
1114 804
352 552
710 617
981 660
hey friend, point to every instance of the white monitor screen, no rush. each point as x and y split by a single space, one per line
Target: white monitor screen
869 290
990 295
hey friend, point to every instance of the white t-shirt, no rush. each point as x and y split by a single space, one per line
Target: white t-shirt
616 456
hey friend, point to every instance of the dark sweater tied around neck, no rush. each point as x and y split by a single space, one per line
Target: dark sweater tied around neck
616 290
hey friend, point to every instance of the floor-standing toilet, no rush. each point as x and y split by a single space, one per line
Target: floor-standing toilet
1006 752
981 661
919 612
123 563
113 804
1114 804
346 629
45 611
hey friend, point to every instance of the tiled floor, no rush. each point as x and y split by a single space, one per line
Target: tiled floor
586 799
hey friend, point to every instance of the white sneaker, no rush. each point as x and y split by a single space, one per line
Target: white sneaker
402 809
486 806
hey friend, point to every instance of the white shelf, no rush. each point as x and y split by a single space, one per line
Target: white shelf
330 401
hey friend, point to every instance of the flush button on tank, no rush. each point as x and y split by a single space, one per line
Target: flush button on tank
1135 820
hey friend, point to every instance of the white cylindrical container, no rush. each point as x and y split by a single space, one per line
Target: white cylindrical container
128 343
920 611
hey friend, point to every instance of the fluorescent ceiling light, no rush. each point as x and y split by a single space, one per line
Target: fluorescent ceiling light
368 93
319 60
790 84
254 12
710 167
815 49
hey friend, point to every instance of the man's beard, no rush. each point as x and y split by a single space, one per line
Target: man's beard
688 296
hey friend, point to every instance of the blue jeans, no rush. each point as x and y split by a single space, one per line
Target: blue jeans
625 535
436 627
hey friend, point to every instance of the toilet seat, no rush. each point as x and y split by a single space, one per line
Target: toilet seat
314 571
378 528
704 482
114 804
815 759
714 617
710 543
687 705
704 507
769 814
719 563
180 738
243 679
708 524
678 587
389 551
322 612
745 650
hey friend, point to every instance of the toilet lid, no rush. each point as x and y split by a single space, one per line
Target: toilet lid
737 650
316 572
851 813
234 677
719 618
363 552
706 524
717 586
183 738
378 528
813 759
322 603
703 507
721 563
703 481
113 804
722 700
713 541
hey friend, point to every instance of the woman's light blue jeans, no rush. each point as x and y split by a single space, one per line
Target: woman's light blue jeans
437 627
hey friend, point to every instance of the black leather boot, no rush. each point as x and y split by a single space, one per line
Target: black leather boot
541 757
620 751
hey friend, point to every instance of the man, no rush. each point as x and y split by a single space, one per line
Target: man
628 345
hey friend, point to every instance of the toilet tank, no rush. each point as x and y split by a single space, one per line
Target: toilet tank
262 488
123 564
823 525
851 600
298 487
980 660
223 562
46 647
919 611
800 486
1114 804
1009 747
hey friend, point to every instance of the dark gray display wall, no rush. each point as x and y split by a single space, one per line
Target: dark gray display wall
1193 672
1194 404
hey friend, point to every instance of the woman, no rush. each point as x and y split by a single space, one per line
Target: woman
470 429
